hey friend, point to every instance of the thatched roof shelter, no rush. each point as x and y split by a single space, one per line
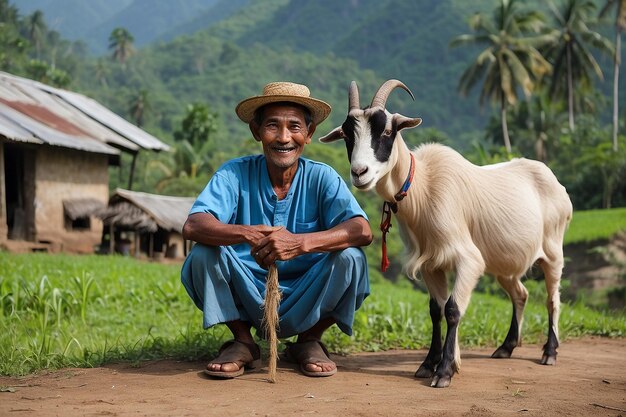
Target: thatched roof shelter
156 221
146 212
76 208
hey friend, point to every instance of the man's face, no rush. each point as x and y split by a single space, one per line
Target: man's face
283 133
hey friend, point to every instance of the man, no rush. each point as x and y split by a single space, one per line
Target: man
277 208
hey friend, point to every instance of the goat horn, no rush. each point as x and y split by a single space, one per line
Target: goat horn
383 92
353 99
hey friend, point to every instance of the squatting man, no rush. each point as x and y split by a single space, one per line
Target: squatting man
277 208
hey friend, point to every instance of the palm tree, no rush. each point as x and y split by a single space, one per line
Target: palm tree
13 45
539 119
8 13
102 72
53 43
140 105
121 43
568 48
36 27
620 26
510 60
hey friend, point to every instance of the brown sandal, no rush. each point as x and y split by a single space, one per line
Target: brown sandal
309 352
244 355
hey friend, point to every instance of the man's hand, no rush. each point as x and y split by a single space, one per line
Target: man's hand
280 245
255 233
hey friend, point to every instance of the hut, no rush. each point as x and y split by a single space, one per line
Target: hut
56 147
144 224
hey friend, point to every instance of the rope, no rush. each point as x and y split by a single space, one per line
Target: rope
270 318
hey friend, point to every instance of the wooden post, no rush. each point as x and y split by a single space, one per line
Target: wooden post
111 239
132 171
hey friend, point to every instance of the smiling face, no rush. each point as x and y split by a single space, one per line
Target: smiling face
282 130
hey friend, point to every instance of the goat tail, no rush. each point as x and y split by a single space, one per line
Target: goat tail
270 318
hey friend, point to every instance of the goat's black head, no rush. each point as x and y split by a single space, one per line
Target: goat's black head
370 134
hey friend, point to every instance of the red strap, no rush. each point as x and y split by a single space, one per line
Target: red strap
385 225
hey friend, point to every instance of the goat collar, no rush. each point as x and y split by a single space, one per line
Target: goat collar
385 223
405 187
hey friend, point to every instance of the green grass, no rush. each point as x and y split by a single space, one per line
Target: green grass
587 226
62 310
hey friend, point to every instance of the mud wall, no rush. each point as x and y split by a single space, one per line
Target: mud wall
67 174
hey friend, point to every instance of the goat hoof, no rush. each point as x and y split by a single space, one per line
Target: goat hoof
424 372
501 353
548 360
441 381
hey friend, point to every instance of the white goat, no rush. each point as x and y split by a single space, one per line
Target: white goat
458 217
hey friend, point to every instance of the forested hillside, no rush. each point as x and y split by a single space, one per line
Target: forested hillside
325 44
73 19
230 49
392 38
148 20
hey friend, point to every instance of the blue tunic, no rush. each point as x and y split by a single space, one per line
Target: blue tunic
227 284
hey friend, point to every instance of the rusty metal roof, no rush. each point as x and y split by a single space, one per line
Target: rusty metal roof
13 130
50 133
34 112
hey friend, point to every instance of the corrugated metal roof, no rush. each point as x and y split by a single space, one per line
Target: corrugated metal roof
63 118
13 130
170 213
111 120
52 135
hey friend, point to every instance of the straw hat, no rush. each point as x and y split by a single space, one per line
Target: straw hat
283 91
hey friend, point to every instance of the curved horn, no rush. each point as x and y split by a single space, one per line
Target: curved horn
383 92
353 98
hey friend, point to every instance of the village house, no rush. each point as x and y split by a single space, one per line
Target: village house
148 225
56 147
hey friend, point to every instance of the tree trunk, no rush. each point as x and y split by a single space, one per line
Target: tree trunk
570 89
618 42
505 129
132 171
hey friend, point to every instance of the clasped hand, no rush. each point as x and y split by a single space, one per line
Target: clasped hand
276 244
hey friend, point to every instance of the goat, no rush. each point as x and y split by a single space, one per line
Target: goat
457 217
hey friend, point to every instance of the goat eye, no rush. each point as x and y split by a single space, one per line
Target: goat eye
387 132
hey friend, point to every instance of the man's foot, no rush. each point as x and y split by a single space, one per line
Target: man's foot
312 356
233 357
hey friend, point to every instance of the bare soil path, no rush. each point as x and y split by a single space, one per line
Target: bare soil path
589 380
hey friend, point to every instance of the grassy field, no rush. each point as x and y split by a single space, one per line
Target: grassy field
591 225
63 310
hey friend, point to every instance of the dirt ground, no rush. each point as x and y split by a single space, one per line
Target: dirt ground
588 380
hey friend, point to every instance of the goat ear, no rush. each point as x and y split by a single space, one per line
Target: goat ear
334 135
403 122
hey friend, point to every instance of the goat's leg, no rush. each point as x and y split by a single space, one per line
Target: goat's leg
518 295
468 272
438 289
552 272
